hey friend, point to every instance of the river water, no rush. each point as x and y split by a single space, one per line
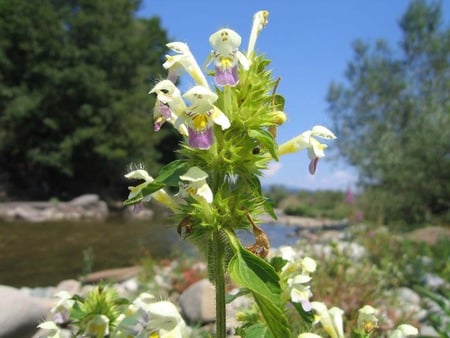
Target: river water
42 254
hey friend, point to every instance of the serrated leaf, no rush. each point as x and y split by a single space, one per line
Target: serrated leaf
169 174
266 140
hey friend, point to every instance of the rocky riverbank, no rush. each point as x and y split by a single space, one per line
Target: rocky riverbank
88 206
23 308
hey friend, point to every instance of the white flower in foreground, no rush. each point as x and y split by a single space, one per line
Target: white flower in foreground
61 310
53 330
287 253
331 323
165 317
308 335
367 319
403 331
98 326
295 278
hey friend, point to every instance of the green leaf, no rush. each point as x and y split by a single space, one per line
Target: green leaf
255 274
131 201
277 262
170 173
258 330
242 292
268 207
278 102
266 140
77 313
307 316
151 188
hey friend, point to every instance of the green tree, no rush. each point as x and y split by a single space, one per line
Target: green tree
392 116
74 109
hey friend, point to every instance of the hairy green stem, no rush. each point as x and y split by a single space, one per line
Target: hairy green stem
220 286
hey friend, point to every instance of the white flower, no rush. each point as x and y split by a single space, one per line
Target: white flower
367 319
165 317
61 310
169 105
287 253
196 185
159 195
53 330
403 331
201 115
260 20
98 326
307 140
183 61
308 335
332 323
226 55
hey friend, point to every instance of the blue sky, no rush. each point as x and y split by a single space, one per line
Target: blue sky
309 43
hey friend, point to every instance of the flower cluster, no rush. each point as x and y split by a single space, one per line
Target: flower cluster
229 126
229 130
295 279
103 314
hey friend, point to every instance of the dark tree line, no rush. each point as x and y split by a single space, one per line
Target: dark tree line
74 109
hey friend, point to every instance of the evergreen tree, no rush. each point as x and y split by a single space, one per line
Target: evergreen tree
74 109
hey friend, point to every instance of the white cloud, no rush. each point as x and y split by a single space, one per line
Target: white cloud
297 176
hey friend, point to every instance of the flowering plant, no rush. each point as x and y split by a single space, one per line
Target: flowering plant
229 140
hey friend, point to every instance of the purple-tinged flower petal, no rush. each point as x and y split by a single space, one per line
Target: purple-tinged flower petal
157 123
313 165
226 76
162 113
164 109
306 305
201 139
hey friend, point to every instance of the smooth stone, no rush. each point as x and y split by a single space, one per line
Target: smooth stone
20 313
85 200
198 302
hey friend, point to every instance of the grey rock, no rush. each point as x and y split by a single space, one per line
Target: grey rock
39 292
428 331
198 302
85 200
407 296
433 281
87 206
20 313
